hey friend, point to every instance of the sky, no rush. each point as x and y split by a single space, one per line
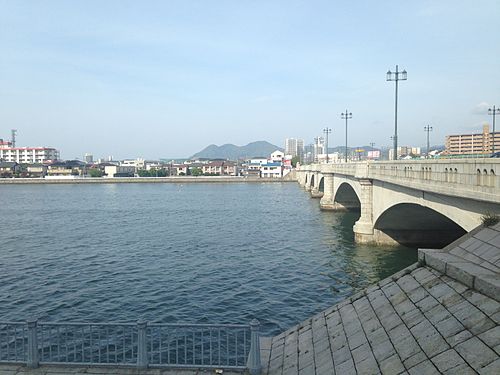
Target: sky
158 79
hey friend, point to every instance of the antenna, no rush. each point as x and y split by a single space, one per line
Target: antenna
13 133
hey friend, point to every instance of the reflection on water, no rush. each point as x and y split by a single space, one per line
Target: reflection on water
221 253
352 267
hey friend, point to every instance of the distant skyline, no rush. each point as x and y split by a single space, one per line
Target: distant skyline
159 79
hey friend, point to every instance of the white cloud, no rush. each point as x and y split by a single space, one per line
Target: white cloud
481 109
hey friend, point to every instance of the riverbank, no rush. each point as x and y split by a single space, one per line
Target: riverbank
126 180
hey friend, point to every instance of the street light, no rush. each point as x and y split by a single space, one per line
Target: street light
346 116
396 76
493 112
428 129
327 131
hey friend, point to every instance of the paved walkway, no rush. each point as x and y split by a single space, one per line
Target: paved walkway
440 315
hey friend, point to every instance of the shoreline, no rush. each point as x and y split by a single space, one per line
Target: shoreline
122 180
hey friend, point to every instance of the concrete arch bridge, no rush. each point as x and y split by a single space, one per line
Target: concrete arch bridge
416 203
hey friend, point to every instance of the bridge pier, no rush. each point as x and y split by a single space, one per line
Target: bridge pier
326 202
364 228
316 193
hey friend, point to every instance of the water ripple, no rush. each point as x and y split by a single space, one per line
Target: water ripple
171 253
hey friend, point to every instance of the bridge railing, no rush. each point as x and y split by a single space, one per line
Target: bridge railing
141 344
483 173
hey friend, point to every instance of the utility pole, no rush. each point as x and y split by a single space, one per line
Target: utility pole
346 116
428 129
13 133
493 112
396 76
327 131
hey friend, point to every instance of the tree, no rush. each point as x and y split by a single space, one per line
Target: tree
295 160
196 171
95 172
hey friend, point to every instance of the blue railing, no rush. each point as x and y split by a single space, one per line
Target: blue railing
141 344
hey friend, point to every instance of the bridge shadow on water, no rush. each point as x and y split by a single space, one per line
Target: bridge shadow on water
352 266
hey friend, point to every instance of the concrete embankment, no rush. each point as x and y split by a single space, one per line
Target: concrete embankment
439 316
121 180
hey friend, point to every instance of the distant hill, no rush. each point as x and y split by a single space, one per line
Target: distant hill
233 152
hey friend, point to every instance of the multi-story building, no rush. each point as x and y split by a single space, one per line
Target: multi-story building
318 148
220 168
27 155
405 151
294 147
477 143
272 169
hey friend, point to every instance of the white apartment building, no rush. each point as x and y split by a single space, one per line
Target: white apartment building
28 155
271 170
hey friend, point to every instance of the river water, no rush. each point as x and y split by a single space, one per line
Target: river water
200 253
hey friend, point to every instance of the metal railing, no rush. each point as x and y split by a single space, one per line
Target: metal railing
141 344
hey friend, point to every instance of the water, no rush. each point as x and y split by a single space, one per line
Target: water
218 253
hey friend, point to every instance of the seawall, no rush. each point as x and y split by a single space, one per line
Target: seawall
121 180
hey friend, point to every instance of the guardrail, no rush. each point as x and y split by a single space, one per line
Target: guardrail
141 344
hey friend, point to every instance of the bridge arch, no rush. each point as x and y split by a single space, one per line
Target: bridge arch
312 180
412 224
346 197
321 185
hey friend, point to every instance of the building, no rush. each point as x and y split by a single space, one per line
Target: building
8 168
271 169
88 158
405 152
318 148
277 156
68 168
478 143
294 147
119 170
27 155
219 168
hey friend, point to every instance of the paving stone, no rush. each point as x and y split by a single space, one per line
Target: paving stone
491 337
391 365
346 368
489 286
425 367
447 360
476 353
492 369
429 338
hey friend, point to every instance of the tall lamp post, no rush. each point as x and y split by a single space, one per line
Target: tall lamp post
427 129
327 131
346 116
493 112
396 76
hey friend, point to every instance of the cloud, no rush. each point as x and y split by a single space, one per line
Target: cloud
481 109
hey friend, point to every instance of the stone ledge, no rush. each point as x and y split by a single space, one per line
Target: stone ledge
473 275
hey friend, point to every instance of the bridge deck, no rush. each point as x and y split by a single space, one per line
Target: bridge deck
439 316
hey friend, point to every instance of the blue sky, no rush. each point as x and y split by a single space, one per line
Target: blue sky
167 78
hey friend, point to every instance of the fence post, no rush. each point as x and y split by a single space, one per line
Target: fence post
142 351
32 360
254 356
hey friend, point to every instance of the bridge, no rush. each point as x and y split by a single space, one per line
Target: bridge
425 203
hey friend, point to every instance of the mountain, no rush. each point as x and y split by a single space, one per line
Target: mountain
233 152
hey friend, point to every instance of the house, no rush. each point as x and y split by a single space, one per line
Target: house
271 170
68 168
119 170
277 156
35 170
219 168
8 168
